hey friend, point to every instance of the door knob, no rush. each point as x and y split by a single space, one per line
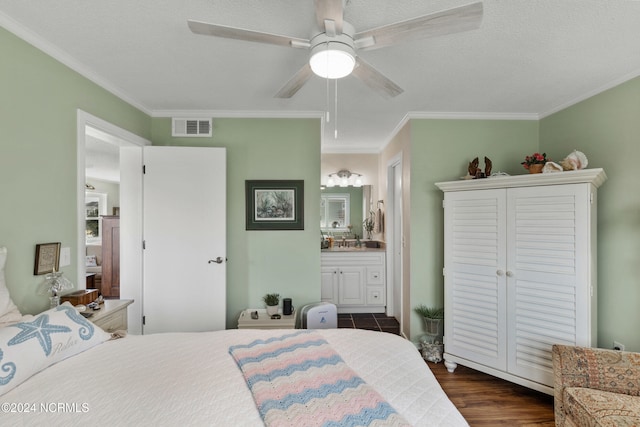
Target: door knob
218 260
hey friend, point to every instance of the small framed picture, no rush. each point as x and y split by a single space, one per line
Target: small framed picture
275 204
47 258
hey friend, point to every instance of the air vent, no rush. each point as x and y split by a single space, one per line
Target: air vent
191 127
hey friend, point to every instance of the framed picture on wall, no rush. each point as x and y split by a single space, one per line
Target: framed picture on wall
274 204
47 258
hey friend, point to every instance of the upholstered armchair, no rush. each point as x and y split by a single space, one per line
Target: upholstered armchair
596 387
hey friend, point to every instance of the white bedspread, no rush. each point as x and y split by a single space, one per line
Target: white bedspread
191 380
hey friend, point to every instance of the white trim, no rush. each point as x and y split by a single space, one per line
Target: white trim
116 135
454 116
65 58
395 131
471 116
349 149
592 93
395 161
232 114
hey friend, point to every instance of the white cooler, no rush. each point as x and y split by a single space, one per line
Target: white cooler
319 315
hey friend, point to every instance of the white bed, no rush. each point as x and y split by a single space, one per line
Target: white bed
191 379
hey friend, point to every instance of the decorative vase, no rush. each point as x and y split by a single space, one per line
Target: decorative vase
272 309
536 168
54 301
432 328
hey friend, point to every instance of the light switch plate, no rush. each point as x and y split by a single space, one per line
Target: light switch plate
65 257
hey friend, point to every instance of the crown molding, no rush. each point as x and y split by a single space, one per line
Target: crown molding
65 58
349 149
470 116
239 114
455 116
592 93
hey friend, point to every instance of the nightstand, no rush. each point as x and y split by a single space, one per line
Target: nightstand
264 321
112 315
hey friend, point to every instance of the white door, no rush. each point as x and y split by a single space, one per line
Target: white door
185 239
546 245
475 277
398 240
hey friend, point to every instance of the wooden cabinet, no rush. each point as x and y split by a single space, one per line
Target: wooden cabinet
110 283
520 272
354 281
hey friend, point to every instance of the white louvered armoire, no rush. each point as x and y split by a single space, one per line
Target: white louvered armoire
519 271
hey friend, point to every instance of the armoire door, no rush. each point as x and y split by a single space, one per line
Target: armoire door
548 247
185 239
475 291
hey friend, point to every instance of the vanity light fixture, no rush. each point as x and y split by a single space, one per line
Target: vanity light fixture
342 178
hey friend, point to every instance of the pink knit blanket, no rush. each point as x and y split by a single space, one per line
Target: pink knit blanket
298 379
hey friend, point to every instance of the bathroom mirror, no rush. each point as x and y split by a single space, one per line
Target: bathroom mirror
344 206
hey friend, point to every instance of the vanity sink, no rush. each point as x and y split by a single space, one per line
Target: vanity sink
345 249
367 245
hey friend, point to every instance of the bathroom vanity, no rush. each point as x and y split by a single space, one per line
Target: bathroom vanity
354 279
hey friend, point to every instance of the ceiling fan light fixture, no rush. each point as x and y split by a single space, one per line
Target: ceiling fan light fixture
332 60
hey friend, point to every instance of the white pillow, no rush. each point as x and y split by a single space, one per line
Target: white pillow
91 261
9 313
30 346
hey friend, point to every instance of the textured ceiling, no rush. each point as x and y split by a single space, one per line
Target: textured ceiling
527 59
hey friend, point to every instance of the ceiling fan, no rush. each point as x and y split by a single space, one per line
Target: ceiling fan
334 44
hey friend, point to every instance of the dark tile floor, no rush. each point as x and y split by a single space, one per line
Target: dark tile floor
370 321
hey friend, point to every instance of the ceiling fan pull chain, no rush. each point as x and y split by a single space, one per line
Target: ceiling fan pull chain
327 100
335 113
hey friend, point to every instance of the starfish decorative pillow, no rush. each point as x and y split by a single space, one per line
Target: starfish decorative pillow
29 346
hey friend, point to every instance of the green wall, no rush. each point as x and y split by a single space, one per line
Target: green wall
606 128
260 262
38 106
441 151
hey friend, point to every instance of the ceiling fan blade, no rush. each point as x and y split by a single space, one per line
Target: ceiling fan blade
329 10
295 83
449 21
375 79
215 30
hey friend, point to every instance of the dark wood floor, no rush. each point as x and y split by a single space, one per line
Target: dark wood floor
484 400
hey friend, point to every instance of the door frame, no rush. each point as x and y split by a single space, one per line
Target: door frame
392 164
114 134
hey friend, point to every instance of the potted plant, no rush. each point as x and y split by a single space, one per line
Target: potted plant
535 162
432 318
272 301
369 223
431 349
